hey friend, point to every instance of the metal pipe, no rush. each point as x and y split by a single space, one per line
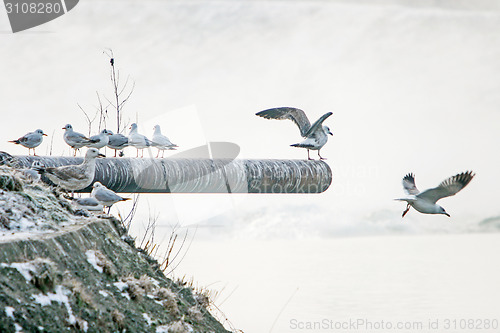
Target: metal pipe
181 175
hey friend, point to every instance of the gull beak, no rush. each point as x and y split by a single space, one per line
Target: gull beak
64 128
447 214
101 155
44 134
330 133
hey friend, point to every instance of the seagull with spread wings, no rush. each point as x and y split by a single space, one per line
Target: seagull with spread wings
315 135
425 202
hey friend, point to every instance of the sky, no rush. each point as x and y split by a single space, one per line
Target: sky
412 89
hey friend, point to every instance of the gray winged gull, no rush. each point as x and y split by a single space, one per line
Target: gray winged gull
30 140
105 196
161 142
315 135
74 177
74 139
32 173
425 202
137 140
117 141
100 140
90 204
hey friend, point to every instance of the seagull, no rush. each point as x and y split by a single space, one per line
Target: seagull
117 141
425 202
105 196
137 140
100 140
73 177
30 140
90 204
161 142
32 174
74 139
315 135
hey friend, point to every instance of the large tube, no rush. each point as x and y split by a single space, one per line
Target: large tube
181 175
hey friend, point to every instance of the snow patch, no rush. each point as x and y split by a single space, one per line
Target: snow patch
147 318
9 311
60 296
104 293
92 259
24 268
120 285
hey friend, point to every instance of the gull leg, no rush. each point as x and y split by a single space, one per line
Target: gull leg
321 158
115 152
34 152
308 157
406 210
158 154
109 209
137 155
162 153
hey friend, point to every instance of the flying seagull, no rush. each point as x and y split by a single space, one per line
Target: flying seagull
73 177
315 135
117 141
425 202
161 142
30 140
105 196
137 140
74 139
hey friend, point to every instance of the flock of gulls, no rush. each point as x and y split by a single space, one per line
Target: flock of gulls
76 177
72 178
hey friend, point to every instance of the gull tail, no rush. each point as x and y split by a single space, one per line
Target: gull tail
302 145
15 141
125 199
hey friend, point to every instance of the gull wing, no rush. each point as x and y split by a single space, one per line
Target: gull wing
448 187
318 124
66 172
106 195
409 184
296 115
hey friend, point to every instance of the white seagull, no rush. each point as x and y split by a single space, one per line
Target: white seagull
315 135
30 140
137 140
161 142
117 141
105 196
74 139
73 177
100 140
425 202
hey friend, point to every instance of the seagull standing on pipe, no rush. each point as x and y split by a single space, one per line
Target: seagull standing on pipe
117 141
74 139
161 142
73 177
100 140
425 202
137 140
315 135
30 140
